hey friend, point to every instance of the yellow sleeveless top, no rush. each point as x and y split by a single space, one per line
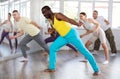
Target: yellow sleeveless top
61 27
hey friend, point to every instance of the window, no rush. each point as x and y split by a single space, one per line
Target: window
101 0
54 5
116 0
116 15
17 5
70 9
102 8
87 9
23 6
4 12
25 9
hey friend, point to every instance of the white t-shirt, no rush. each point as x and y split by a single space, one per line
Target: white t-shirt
104 26
24 24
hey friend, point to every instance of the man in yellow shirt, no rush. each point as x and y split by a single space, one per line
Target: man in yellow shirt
32 30
67 35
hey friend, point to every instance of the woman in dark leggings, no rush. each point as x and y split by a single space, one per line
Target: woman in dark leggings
7 28
53 37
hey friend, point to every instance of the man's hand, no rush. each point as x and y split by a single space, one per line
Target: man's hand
81 36
46 33
40 27
80 23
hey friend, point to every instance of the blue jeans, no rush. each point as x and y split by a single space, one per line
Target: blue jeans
73 38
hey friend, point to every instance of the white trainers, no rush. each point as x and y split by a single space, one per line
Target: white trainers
95 52
23 59
113 54
106 62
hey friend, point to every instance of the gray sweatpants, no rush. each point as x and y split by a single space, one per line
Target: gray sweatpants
38 38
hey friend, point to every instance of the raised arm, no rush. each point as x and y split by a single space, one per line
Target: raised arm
96 23
106 21
50 31
35 24
60 16
20 33
3 23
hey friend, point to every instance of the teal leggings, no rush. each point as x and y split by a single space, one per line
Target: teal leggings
73 38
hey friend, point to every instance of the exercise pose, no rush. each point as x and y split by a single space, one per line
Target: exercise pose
32 29
54 35
67 35
92 26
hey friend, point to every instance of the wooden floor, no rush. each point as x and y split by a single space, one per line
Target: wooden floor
68 67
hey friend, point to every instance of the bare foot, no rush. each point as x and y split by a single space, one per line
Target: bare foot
96 73
49 70
84 60
76 54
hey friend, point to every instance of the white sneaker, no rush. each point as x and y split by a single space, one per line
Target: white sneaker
95 52
113 54
23 59
106 62
12 51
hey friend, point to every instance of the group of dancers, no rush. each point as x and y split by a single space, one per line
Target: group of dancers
61 34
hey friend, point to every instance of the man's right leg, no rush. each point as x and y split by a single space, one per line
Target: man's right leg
75 40
23 44
55 46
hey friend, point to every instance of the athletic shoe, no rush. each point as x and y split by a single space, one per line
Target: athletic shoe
23 59
106 62
95 52
113 54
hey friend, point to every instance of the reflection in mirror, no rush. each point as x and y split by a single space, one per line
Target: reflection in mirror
8 47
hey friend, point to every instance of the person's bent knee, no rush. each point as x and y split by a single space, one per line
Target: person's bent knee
22 44
104 45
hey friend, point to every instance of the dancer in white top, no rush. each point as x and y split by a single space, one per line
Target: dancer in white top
92 26
105 25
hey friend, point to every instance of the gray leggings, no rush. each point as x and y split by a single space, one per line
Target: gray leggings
38 38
